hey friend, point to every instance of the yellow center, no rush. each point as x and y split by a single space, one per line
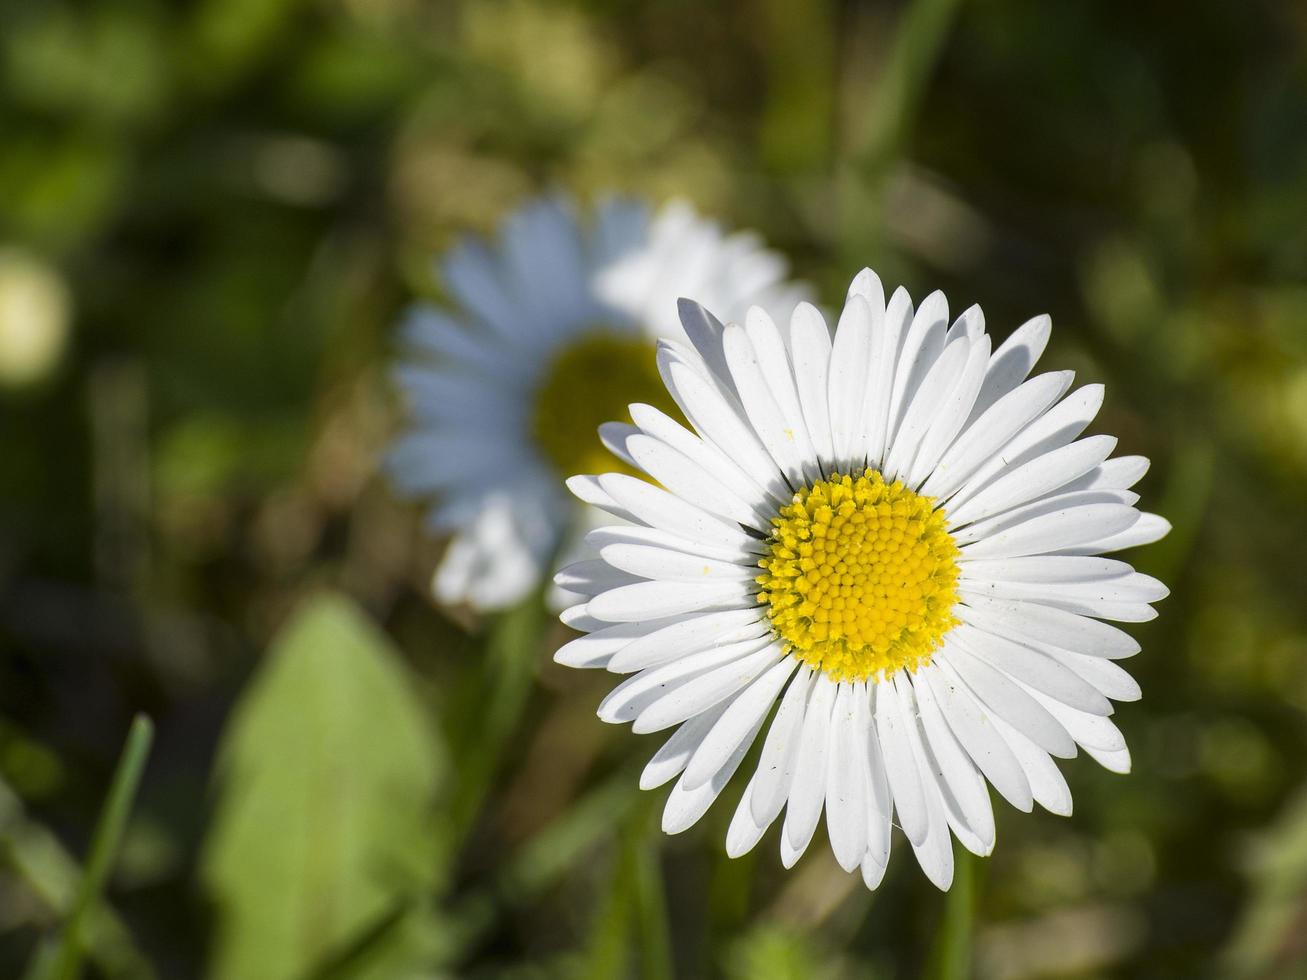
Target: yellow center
591 381
860 577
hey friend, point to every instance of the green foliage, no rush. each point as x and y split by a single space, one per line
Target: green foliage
1268 942
769 952
229 203
324 826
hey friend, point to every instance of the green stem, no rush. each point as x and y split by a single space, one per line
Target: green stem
951 957
917 44
66 960
918 41
651 901
510 670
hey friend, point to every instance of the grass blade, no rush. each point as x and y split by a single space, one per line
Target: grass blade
65 962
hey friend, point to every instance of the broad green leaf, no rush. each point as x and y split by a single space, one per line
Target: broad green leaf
328 775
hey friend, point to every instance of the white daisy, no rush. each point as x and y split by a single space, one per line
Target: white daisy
892 533
552 334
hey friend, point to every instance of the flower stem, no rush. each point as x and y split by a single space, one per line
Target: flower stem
509 674
951 957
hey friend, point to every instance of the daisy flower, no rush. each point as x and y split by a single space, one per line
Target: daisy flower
892 536
551 332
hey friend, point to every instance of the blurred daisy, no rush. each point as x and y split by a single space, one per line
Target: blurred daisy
552 334
893 534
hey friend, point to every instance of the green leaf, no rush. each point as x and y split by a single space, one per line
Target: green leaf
329 773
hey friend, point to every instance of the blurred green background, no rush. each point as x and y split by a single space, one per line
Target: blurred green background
210 215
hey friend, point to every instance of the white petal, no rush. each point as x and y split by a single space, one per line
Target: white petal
811 344
922 346
591 577
1147 529
660 509
614 435
625 702
1045 569
705 691
1121 473
1042 671
992 526
650 562
650 600
599 538
921 411
740 718
993 430
685 806
873 872
1106 676
597 649
935 851
846 780
774 361
1013 361
1091 731
1115 761
955 770
952 414
689 480
472 274
434 333
776 764
671 758
578 618
544 260
808 785
892 724
1026 621
588 490
717 422
1061 529
1057 427
688 634
868 285
970 323
783 443
880 376
705 333
880 801
1006 700
744 832
658 424
1080 598
971 724
1041 476
1047 784
1131 587
850 352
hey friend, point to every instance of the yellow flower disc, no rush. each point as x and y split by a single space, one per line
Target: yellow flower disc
860 577
591 381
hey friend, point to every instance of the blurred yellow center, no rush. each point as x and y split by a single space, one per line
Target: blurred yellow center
591 381
860 577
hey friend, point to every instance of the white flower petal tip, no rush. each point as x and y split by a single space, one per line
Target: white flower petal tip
877 547
873 873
